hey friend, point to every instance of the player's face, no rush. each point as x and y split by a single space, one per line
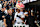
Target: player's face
10 11
18 10
2 9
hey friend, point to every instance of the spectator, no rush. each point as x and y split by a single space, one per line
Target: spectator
8 19
0 6
26 16
2 15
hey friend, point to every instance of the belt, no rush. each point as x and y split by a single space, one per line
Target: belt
19 23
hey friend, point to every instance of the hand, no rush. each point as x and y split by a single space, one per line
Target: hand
22 22
12 22
3 16
24 14
5 24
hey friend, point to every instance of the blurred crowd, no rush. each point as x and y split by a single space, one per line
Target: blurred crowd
11 15
6 17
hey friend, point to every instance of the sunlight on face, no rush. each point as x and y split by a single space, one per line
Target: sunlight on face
9 11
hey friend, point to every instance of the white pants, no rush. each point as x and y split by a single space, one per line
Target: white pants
1 23
18 24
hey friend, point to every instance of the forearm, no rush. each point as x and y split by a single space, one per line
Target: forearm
22 18
4 21
13 21
26 14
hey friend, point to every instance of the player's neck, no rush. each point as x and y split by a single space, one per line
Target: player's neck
18 12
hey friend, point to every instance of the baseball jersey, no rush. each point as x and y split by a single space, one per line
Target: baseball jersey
19 14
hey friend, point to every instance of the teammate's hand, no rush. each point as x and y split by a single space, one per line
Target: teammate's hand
3 16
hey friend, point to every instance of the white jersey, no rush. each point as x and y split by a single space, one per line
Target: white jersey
26 13
19 14
5 12
0 6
